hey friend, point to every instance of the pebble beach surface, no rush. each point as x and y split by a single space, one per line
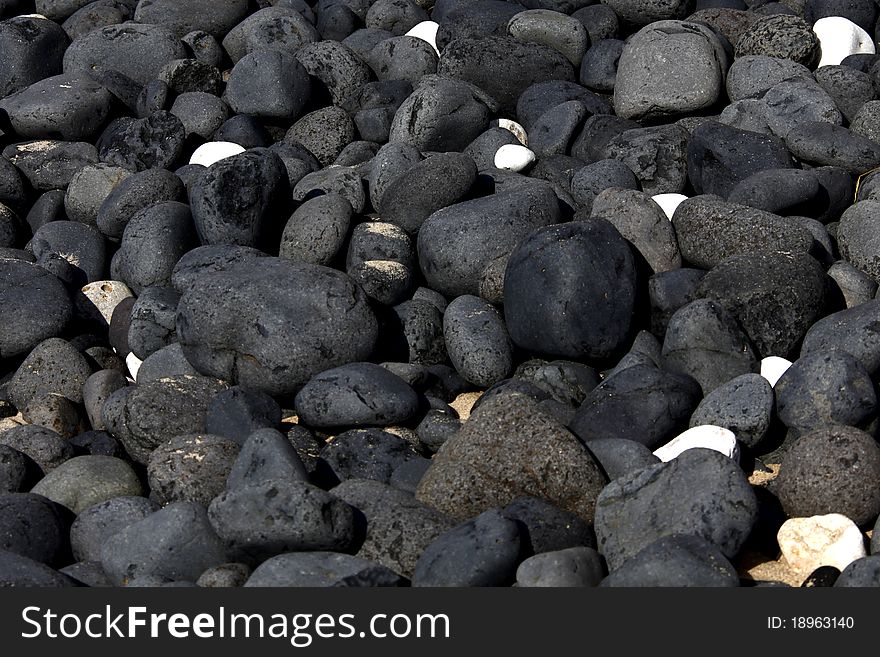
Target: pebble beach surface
453 293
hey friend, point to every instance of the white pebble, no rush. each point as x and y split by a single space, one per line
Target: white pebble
214 151
100 298
707 436
513 157
773 367
669 202
426 31
839 38
33 16
830 540
134 364
514 128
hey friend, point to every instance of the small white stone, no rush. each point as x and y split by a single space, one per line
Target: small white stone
514 128
669 202
426 31
100 298
40 16
773 367
830 540
839 38
707 436
134 364
214 151
513 157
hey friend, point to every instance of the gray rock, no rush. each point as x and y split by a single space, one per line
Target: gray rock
619 456
50 165
316 231
53 366
775 296
745 405
18 472
858 239
266 456
215 18
864 572
784 36
398 526
238 412
657 155
277 28
854 331
191 468
701 492
477 341
751 76
88 190
34 50
84 481
641 222
262 520
316 569
176 543
341 70
675 561
849 87
226 575
17 570
457 244
854 284
356 394
817 475
35 527
667 69
551 28
824 143
135 193
483 551
442 114
825 388
165 363
577 566
511 438
69 107
710 230
703 340
366 454
589 182
44 446
145 416
288 318
95 525
792 103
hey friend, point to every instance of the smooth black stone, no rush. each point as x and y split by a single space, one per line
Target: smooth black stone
35 527
238 412
821 577
137 51
49 165
320 569
135 193
97 443
545 527
745 405
268 455
238 200
278 28
16 570
620 456
356 394
704 341
484 551
246 131
864 572
33 50
598 70
200 113
477 341
640 403
145 416
825 388
153 241
18 471
565 381
594 178
701 492
175 543
442 114
853 330
541 97
428 186
155 96
166 362
539 312
675 561
206 260
268 84
95 525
